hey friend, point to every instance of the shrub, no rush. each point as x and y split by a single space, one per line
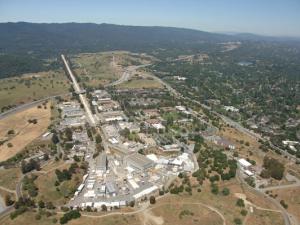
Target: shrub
225 191
8 200
284 205
244 212
237 221
240 203
38 216
152 200
73 214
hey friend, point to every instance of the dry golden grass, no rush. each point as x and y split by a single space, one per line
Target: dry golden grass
9 178
24 132
47 189
291 197
173 214
168 209
111 220
13 91
261 217
27 218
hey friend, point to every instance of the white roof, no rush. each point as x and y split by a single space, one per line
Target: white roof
249 173
177 162
130 169
114 118
163 161
158 126
184 156
180 108
244 162
133 184
152 157
113 140
145 192
80 187
90 194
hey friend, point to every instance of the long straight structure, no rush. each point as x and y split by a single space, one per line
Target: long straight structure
77 89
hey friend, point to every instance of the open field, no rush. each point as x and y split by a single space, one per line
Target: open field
199 208
24 132
111 220
261 217
291 197
47 189
9 178
182 214
97 69
27 218
29 87
140 83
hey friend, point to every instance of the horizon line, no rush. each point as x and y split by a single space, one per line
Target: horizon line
230 33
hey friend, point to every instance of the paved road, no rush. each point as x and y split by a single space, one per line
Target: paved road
82 97
27 106
296 184
285 214
126 75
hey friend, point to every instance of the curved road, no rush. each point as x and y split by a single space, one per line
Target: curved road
285 214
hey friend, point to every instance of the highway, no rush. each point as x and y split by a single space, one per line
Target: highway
126 75
78 90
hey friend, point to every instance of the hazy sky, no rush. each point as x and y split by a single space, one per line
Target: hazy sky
268 17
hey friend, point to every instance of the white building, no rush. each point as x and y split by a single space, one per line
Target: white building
244 164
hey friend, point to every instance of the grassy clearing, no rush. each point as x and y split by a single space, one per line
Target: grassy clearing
177 214
24 132
112 220
29 87
28 218
48 191
291 196
10 177
95 69
265 218
140 83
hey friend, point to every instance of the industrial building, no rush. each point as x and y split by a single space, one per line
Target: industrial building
101 163
139 161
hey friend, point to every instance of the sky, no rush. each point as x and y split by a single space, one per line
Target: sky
265 17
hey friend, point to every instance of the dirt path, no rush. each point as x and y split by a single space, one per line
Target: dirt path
8 190
149 217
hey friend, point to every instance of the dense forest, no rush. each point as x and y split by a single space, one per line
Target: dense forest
24 47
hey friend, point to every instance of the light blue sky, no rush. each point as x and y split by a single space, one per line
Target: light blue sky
268 17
